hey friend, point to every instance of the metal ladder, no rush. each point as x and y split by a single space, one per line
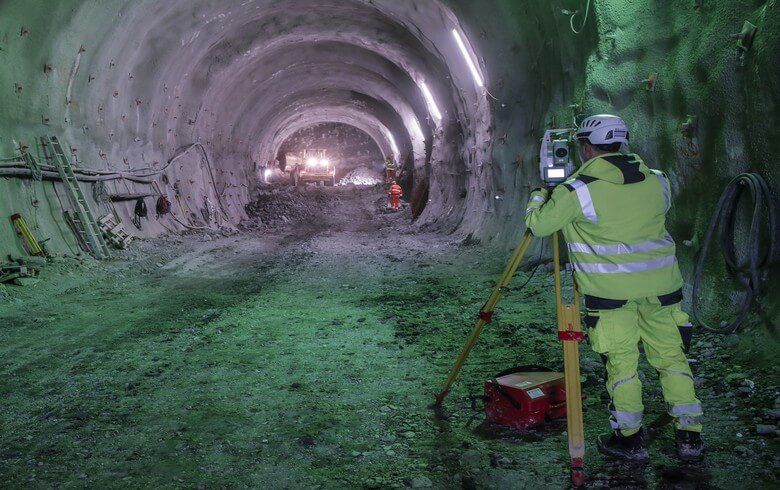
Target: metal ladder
84 220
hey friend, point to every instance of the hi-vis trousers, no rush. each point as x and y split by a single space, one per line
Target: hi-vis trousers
615 328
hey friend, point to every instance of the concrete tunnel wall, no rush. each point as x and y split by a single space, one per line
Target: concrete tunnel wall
131 83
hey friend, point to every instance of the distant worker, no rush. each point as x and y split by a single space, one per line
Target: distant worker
612 211
395 194
390 168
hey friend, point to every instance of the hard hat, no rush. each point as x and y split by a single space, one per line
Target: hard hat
395 183
603 129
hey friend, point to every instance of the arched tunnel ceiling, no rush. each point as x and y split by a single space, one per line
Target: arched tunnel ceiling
372 126
147 78
236 66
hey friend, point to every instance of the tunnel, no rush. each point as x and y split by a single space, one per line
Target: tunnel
207 280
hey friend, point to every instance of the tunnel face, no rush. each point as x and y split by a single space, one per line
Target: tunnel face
347 147
260 331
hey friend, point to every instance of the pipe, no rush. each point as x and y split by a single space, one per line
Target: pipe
20 172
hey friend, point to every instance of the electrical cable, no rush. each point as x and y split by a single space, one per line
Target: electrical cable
205 156
584 20
723 223
81 176
533 272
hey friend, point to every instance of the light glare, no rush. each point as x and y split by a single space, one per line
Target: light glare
393 146
469 61
431 103
417 129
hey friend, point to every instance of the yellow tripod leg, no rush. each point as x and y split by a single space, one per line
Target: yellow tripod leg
570 333
485 315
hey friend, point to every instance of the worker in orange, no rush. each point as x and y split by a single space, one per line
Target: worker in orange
395 194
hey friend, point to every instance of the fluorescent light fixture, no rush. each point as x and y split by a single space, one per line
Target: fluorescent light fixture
431 103
417 129
474 72
393 146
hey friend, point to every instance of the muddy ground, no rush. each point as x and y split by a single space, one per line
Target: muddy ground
303 353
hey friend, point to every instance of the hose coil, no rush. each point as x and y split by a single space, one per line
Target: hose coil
749 271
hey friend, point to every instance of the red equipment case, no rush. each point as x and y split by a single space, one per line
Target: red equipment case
525 397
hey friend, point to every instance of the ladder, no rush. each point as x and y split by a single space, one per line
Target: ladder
85 222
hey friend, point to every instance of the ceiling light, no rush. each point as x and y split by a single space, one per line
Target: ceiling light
474 72
431 103
393 146
417 129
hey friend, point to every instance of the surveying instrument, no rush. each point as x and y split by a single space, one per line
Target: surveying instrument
555 166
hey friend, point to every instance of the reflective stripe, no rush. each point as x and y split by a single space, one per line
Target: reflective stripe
679 373
627 416
626 420
621 248
686 421
664 188
530 210
625 426
690 409
647 265
538 199
586 203
622 381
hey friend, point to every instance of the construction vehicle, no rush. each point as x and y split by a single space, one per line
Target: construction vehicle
313 166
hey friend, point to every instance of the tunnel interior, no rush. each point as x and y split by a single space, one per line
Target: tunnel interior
206 108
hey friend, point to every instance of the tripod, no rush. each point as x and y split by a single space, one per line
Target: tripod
569 332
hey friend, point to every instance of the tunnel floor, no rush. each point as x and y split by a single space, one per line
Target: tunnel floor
306 358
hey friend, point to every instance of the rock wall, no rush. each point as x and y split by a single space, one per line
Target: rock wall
660 65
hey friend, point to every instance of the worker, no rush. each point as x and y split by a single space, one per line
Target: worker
612 213
395 194
390 168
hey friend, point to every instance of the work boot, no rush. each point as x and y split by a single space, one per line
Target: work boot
630 447
690 447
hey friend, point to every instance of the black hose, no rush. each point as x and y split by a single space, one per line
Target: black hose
723 221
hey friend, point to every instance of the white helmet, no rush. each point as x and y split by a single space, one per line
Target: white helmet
603 129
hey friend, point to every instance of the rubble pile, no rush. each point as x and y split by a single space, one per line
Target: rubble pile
284 205
362 176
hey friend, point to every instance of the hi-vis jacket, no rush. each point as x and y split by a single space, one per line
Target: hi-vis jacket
612 212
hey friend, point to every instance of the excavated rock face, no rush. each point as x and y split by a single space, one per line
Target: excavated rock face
131 84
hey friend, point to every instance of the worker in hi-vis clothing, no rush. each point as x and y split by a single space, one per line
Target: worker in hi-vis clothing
612 212
395 194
